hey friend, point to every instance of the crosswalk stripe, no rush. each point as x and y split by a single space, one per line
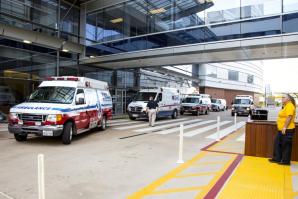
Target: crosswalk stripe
205 129
176 124
241 138
185 127
146 124
118 121
125 123
226 131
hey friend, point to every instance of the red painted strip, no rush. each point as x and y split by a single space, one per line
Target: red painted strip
224 152
215 142
220 183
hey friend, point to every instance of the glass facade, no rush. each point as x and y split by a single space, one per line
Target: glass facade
142 24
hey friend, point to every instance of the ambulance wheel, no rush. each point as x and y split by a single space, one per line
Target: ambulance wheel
67 133
20 138
175 114
132 118
104 123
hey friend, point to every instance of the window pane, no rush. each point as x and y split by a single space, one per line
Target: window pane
136 17
160 15
91 27
233 75
223 11
290 5
258 8
261 27
222 32
290 22
189 13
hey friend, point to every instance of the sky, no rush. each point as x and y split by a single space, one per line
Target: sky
281 74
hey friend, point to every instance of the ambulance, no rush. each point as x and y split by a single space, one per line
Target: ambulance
62 106
168 100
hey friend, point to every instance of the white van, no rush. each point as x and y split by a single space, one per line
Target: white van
62 106
242 105
168 100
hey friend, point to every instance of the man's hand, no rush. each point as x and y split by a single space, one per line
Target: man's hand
283 131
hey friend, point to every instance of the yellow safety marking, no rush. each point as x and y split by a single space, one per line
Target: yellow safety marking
166 191
257 178
195 174
207 188
206 163
151 188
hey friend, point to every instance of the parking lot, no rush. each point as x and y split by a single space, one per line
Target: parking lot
106 164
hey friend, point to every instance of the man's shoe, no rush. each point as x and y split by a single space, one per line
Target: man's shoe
273 160
284 163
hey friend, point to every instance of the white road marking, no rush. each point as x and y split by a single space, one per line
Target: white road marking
147 123
125 123
151 129
241 138
185 127
5 195
226 131
205 129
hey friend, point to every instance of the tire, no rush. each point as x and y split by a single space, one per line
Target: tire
181 112
206 112
67 133
175 114
20 138
104 123
132 118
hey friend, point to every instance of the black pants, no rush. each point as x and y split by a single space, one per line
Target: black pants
283 146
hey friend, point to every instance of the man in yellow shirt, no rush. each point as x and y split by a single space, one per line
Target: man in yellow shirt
285 125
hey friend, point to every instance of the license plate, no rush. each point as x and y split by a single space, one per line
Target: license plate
47 133
135 115
37 123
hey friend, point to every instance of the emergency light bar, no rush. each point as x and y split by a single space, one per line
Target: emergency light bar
63 78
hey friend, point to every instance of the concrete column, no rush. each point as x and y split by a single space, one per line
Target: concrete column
83 29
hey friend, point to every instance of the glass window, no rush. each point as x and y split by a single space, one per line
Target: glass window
222 32
136 17
261 27
143 96
290 22
211 71
69 18
160 15
191 100
189 13
290 5
233 75
52 94
91 27
222 11
253 8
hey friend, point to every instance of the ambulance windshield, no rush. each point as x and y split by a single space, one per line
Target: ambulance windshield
242 101
144 96
53 94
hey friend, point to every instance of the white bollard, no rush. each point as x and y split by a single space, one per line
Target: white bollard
180 159
218 128
41 185
235 119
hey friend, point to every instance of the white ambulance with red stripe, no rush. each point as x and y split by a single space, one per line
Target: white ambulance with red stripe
62 106
168 100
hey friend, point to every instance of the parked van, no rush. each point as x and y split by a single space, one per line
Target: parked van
218 104
168 100
242 105
193 104
206 98
62 106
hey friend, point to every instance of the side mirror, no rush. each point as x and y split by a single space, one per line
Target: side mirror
80 99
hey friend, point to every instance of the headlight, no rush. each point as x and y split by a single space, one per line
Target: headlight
233 108
248 109
54 118
13 116
144 109
128 108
